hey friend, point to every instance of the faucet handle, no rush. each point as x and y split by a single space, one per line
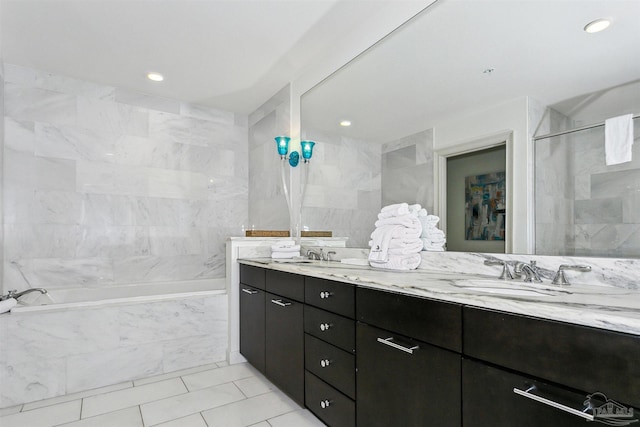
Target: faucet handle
329 255
506 273
560 278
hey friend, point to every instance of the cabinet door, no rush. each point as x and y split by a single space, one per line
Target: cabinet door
285 345
398 388
252 326
489 400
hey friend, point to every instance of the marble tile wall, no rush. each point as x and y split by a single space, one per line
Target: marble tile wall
106 186
344 190
407 170
584 207
1 173
60 351
267 203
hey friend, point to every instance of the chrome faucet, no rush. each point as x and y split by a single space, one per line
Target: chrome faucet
530 271
311 254
15 294
560 279
506 273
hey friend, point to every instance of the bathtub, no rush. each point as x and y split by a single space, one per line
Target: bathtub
72 340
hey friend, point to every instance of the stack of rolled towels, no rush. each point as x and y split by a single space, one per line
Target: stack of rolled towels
395 243
285 249
433 239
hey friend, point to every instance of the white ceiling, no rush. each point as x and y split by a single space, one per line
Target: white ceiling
231 54
430 71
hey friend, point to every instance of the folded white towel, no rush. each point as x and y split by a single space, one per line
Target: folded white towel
398 242
618 139
434 249
434 234
406 249
282 244
381 237
409 220
284 255
422 212
292 248
433 246
395 210
399 262
7 304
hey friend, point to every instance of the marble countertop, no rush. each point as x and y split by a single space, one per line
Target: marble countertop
603 307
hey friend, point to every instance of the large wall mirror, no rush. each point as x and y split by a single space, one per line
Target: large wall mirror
468 75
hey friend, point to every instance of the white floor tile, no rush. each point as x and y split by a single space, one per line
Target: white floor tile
74 396
190 403
254 386
301 418
10 410
261 424
103 403
250 411
194 420
129 417
175 374
218 376
44 417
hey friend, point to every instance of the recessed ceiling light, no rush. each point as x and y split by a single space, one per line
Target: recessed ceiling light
597 25
489 70
156 77
345 123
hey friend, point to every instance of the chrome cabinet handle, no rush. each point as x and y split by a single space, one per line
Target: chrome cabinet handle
390 343
325 294
249 291
551 403
324 404
325 363
280 302
325 326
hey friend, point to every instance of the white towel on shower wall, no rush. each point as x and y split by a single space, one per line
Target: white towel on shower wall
618 139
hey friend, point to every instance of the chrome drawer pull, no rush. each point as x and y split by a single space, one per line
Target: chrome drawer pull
551 403
280 303
390 343
325 294
325 326
249 291
324 404
325 363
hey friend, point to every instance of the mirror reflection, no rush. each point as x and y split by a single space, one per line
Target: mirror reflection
465 76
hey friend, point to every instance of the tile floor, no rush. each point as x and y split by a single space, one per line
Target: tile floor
217 395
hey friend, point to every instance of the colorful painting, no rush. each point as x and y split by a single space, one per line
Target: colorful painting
485 206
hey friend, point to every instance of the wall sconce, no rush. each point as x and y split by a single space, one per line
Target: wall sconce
282 144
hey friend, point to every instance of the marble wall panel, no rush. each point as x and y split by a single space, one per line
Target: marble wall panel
95 174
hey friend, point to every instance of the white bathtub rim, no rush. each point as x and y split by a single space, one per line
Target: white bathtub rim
114 301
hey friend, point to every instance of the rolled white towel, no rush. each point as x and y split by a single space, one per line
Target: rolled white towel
284 255
414 209
422 212
397 209
381 237
435 249
429 245
399 262
7 304
433 234
398 242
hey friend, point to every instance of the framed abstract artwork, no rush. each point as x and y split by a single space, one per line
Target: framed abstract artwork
485 206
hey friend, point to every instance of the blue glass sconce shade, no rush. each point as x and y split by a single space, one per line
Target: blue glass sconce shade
307 149
294 158
282 142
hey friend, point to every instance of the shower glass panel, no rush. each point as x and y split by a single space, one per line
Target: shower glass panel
582 206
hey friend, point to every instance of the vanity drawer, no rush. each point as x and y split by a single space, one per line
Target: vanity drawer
285 284
434 322
330 327
252 276
332 407
580 357
332 296
331 364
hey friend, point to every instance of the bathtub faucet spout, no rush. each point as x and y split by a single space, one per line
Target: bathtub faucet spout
15 294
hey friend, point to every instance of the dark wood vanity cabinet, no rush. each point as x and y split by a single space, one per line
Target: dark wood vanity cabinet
366 357
535 358
330 383
402 380
252 315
